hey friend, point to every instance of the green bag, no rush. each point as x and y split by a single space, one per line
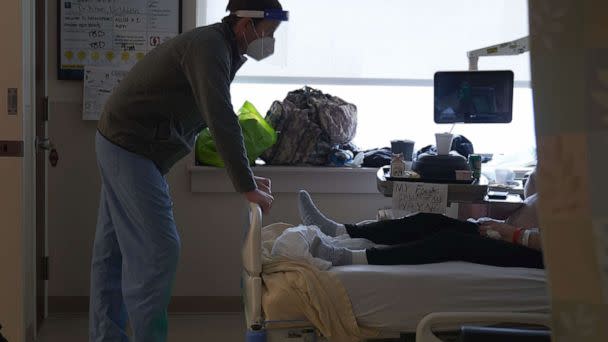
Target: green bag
257 133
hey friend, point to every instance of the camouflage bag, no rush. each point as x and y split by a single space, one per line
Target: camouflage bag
309 123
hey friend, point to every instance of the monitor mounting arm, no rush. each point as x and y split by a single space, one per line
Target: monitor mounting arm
516 47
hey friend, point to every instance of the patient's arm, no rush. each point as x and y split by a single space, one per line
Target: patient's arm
507 231
534 241
526 216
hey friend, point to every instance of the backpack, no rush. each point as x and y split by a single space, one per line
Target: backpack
309 124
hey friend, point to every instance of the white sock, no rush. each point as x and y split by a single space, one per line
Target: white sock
360 257
338 256
312 216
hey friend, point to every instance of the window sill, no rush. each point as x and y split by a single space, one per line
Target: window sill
287 179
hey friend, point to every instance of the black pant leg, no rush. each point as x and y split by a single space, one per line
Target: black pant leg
455 246
410 228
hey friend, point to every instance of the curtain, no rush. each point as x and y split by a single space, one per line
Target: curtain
569 54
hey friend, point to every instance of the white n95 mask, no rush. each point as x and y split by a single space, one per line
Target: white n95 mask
261 48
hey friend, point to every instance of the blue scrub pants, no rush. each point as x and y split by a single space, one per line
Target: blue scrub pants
136 249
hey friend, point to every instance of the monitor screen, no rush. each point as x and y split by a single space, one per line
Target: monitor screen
474 97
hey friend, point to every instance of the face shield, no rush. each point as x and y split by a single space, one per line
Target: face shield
270 44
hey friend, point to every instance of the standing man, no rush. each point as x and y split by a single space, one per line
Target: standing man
149 123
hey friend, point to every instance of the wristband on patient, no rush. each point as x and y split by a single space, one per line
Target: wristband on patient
517 235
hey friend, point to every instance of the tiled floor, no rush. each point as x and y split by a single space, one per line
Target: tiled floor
182 328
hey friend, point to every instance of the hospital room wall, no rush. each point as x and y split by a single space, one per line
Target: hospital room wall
12 316
570 82
210 224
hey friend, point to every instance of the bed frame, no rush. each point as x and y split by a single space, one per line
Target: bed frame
257 330
252 291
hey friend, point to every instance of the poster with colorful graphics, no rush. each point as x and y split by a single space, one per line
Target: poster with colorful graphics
112 33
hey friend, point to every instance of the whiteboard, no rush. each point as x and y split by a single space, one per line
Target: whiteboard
99 83
115 33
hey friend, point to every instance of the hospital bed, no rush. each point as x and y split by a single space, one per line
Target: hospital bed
416 299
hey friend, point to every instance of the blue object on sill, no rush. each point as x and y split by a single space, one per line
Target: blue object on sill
256 336
339 157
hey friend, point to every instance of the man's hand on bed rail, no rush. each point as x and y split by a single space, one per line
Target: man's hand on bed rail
263 184
262 195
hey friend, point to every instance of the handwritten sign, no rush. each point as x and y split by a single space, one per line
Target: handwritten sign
99 82
409 197
114 33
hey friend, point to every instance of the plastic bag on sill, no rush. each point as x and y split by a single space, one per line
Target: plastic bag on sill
258 136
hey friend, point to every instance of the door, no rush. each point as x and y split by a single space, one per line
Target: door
41 160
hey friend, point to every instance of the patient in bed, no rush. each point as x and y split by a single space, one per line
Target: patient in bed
431 238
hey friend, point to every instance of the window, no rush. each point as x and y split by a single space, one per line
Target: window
381 55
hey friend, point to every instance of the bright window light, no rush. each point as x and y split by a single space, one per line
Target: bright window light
381 55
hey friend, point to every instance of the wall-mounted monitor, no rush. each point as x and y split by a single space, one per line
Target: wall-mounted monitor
474 97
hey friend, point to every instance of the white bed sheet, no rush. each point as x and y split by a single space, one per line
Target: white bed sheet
396 298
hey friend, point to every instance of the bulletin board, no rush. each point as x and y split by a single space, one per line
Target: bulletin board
112 33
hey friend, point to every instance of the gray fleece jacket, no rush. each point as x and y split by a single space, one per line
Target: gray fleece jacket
174 92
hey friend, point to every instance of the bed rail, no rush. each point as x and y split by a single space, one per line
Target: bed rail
424 331
252 270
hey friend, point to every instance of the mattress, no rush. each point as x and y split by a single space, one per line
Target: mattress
393 299
396 298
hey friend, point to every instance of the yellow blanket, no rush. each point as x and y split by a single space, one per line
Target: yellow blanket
297 290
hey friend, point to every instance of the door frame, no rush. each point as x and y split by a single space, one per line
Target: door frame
28 110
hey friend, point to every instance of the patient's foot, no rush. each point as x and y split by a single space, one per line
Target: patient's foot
336 255
311 216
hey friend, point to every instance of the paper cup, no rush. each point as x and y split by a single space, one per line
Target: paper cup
504 176
444 143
